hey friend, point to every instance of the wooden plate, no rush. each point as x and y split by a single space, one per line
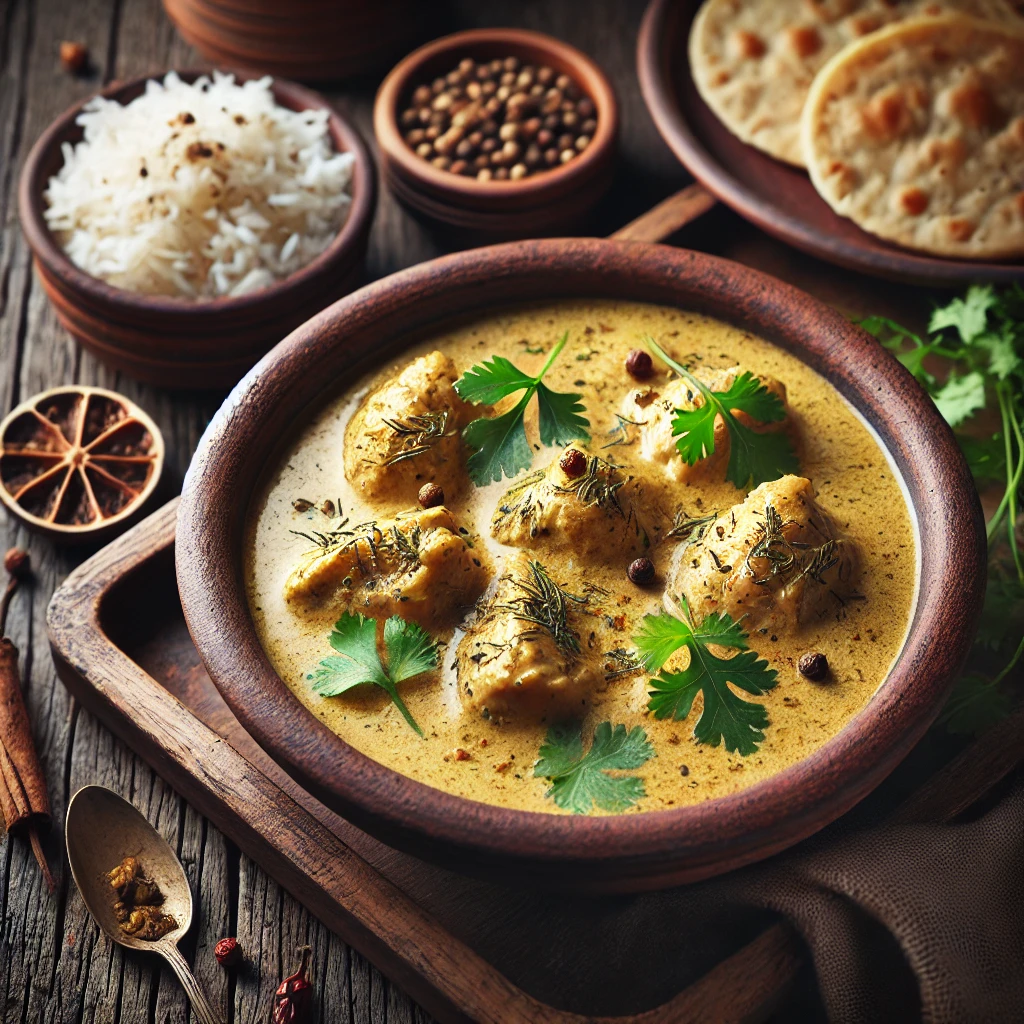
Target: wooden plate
625 852
778 198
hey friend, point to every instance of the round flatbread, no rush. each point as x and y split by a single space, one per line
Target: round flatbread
754 60
916 133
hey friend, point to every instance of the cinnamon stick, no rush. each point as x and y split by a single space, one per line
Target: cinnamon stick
23 799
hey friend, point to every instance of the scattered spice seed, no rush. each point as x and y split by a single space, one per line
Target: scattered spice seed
813 665
684 770
431 495
228 952
462 755
641 571
74 57
639 364
573 463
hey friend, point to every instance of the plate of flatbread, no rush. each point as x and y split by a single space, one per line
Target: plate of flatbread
886 136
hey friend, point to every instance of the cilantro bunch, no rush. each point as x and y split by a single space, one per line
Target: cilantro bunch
979 339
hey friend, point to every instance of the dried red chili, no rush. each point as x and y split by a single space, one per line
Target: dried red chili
294 996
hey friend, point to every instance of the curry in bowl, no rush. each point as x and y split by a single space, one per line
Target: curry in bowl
587 556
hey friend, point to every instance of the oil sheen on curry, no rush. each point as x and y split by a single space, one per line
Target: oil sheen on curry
574 558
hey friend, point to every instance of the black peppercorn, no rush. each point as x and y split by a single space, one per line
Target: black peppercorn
639 364
813 665
641 571
430 496
573 463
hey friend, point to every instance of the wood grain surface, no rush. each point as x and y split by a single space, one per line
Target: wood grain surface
54 967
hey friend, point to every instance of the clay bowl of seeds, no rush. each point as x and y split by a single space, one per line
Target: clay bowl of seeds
500 132
78 463
176 341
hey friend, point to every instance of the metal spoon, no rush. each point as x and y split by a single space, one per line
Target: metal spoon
102 829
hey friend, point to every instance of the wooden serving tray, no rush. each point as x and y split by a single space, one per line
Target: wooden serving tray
464 949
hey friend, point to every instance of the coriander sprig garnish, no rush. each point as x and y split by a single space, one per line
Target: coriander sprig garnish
726 717
754 457
410 652
581 781
498 444
980 337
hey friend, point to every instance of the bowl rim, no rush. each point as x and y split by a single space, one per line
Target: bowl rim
49 253
688 842
404 162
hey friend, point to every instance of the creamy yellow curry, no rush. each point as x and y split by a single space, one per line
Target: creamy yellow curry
535 587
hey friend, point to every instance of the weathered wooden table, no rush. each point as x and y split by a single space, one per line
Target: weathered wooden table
54 965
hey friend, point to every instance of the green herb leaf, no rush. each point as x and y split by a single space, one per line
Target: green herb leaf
961 397
581 781
753 457
968 315
726 717
409 648
499 445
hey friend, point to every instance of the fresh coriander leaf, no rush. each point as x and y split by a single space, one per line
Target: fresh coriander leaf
725 717
499 445
961 397
975 705
490 381
581 781
968 315
753 457
559 417
1001 346
986 457
409 649
894 337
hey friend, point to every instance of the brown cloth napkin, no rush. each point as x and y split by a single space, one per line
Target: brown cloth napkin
910 909
909 921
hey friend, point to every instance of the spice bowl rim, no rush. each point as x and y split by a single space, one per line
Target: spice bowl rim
652 849
345 248
398 158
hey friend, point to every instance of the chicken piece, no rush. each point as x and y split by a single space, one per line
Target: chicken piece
593 514
776 558
652 409
418 565
407 433
526 654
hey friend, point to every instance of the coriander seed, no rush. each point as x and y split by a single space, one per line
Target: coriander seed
431 495
813 665
573 463
641 571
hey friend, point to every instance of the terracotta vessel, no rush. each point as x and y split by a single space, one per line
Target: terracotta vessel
181 343
539 204
626 852
777 197
310 40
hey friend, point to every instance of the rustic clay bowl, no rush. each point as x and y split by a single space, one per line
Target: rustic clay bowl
626 852
176 342
539 204
775 196
311 40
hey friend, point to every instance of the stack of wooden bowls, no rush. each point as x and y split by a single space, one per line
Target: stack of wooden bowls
311 40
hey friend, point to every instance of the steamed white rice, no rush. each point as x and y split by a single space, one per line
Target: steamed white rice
199 190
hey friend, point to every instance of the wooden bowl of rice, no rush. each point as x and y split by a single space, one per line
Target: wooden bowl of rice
192 342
